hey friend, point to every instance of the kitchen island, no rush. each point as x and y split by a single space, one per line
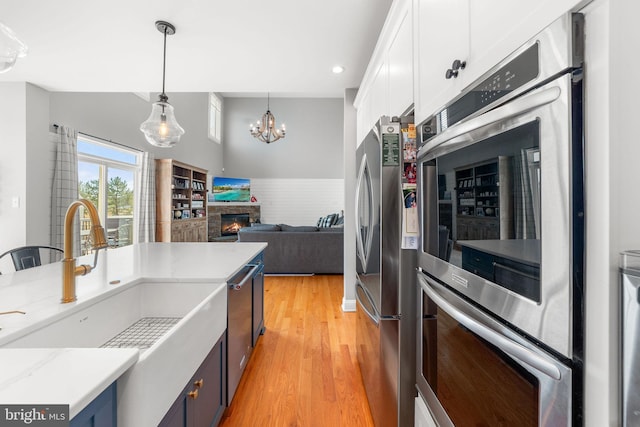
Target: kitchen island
201 267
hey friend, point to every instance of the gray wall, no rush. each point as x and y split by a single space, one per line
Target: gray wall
350 179
38 167
312 147
117 117
13 108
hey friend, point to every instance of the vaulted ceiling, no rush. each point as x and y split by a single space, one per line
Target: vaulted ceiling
236 47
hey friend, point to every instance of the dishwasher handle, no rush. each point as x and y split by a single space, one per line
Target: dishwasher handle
251 274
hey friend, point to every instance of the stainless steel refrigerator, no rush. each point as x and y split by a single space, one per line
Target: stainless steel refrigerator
385 288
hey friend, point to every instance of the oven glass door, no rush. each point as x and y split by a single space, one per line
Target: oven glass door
486 191
468 374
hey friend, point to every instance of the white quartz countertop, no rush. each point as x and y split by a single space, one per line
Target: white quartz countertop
64 376
76 376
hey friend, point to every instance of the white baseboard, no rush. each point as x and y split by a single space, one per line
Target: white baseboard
348 305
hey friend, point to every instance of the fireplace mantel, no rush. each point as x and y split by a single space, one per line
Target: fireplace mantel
216 209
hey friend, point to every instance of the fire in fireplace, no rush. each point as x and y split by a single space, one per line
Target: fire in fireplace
231 223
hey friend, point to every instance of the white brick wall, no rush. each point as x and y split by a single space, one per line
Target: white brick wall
297 201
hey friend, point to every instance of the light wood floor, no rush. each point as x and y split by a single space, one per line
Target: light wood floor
303 371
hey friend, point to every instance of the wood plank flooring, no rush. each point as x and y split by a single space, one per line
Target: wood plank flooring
303 371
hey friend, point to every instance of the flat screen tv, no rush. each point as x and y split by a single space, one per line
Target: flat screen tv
227 189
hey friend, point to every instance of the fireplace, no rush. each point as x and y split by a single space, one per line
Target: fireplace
231 223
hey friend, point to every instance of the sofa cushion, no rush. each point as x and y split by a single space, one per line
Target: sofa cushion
298 228
263 227
332 229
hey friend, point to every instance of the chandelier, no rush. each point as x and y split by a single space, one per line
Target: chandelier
161 128
265 129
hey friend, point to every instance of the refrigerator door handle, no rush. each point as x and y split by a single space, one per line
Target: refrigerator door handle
503 343
363 247
373 316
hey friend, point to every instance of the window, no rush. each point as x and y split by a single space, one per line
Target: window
107 177
215 118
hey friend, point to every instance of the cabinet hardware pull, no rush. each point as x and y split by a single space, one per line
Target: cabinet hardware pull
198 383
193 394
458 65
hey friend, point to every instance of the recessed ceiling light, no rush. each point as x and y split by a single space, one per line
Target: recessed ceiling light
337 69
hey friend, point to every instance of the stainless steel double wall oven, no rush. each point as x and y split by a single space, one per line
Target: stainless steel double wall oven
500 179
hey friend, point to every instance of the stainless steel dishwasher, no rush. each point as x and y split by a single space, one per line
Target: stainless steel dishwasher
630 318
240 312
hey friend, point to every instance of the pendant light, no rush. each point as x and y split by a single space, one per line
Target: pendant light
11 48
161 128
265 130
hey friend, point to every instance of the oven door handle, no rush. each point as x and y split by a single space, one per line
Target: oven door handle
503 343
511 109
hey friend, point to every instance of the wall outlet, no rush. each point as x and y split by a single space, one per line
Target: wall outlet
15 202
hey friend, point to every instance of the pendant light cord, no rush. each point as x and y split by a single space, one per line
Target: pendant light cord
164 58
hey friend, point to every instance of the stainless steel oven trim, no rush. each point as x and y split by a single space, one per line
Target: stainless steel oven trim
554 392
456 137
550 321
512 348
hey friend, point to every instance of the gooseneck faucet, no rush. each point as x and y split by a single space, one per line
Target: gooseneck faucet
69 269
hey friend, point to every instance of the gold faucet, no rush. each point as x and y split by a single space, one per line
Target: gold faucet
69 269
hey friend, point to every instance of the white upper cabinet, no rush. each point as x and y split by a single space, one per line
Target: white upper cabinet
441 36
498 27
477 33
387 86
400 59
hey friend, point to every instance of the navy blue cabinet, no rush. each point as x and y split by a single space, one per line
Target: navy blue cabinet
203 400
101 412
257 302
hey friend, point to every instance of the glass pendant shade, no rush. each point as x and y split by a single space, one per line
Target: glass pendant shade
161 128
11 48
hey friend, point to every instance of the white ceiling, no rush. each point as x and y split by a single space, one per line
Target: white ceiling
235 47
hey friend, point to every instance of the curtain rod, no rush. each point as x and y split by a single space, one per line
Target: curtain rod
55 125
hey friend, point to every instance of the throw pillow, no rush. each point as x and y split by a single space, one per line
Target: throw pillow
327 221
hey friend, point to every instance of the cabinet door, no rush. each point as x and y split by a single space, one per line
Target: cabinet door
441 35
379 98
203 401
209 380
401 68
499 27
179 230
177 414
101 412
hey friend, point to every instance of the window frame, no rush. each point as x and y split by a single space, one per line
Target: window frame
215 125
104 163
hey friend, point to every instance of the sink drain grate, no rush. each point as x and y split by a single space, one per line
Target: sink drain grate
143 333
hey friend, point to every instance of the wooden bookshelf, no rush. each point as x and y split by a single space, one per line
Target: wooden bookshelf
181 202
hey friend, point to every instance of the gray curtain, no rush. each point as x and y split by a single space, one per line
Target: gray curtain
64 189
527 195
145 212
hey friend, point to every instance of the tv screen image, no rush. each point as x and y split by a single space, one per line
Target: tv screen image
231 189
